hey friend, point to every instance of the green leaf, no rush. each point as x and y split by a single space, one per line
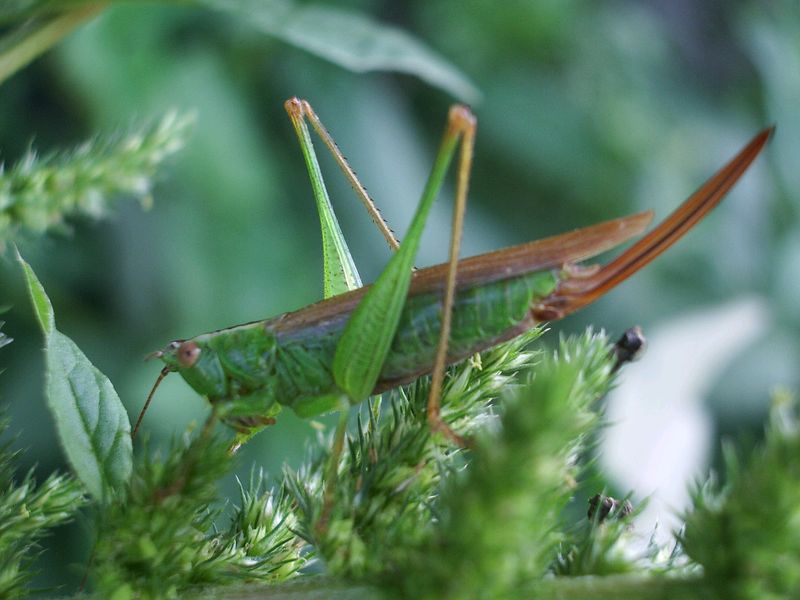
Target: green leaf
91 422
351 40
346 38
41 303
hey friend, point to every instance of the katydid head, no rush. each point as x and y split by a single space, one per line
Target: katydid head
180 354
198 363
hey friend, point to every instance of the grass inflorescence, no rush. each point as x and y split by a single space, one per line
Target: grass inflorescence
39 193
27 512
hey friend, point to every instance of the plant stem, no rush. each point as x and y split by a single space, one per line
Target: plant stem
639 587
31 39
633 587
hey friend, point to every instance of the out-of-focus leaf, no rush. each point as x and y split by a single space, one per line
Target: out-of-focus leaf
774 45
343 37
18 10
351 40
30 39
91 421
4 339
670 432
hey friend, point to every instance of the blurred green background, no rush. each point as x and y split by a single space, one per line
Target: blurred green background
590 110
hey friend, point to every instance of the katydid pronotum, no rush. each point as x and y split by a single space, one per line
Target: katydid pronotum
362 340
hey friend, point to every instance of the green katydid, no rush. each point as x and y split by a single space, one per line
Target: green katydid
361 341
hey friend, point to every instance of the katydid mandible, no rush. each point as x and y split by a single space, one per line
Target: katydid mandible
362 340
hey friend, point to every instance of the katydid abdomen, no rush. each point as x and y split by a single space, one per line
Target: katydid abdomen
288 360
483 316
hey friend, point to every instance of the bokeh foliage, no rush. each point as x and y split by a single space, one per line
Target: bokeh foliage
589 110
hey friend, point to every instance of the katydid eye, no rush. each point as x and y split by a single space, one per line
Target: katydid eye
188 353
